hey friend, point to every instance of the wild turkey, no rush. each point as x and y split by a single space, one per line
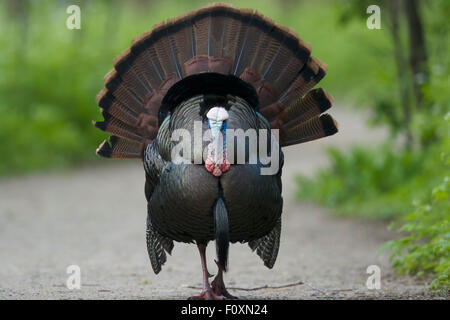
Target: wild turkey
226 69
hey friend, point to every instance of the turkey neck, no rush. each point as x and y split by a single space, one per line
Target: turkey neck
216 162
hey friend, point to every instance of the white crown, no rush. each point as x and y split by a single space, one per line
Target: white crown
217 114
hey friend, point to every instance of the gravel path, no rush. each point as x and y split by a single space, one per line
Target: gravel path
95 217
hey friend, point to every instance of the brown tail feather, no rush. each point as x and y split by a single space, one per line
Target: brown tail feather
247 44
112 106
309 76
312 104
120 148
118 128
315 128
124 94
183 45
217 38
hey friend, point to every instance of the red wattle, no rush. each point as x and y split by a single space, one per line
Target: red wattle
217 169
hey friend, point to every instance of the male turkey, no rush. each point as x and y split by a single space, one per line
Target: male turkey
222 68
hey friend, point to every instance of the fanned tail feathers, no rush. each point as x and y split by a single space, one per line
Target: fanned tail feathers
215 39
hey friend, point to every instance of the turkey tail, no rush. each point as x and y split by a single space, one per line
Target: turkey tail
221 233
314 103
216 39
117 147
315 128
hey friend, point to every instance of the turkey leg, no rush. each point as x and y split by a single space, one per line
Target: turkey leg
207 292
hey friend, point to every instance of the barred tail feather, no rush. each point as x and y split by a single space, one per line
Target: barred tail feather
315 128
215 39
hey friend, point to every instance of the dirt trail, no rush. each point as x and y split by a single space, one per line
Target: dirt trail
95 218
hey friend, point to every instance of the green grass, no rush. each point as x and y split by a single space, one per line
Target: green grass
426 248
377 183
409 187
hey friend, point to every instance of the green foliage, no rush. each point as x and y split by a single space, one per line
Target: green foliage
383 96
357 58
426 248
374 183
50 76
384 181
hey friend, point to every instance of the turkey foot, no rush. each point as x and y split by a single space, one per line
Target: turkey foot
207 293
218 286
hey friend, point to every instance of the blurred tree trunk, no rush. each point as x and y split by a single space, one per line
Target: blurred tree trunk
18 11
402 69
418 56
